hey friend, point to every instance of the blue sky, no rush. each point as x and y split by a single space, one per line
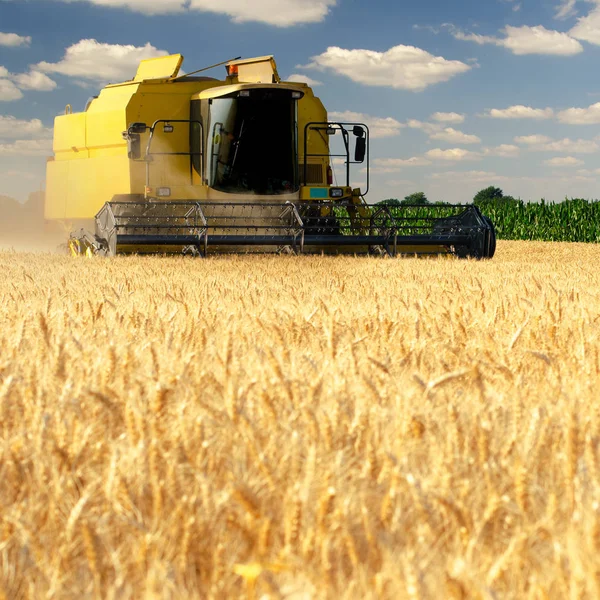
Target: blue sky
459 96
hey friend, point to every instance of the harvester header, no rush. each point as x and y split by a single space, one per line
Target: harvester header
170 162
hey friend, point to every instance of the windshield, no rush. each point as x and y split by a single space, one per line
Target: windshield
253 143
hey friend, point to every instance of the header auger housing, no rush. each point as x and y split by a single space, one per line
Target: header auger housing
166 163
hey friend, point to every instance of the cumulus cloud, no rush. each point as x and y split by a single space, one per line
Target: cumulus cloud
379 127
279 13
9 91
392 165
528 40
14 40
295 77
503 151
26 148
11 84
12 128
448 117
428 128
563 161
532 140
453 154
34 80
90 59
437 131
588 27
543 143
519 111
453 136
581 116
400 67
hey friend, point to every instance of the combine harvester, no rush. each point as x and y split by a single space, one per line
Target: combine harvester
170 163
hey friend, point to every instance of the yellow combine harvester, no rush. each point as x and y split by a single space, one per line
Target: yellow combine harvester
187 163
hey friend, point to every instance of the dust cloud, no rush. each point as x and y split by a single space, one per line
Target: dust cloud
22 226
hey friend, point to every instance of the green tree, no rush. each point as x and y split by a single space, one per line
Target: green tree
487 194
416 198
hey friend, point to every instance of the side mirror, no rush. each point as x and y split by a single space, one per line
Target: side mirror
360 149
137 128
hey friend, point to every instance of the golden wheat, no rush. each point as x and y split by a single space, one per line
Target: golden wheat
300 427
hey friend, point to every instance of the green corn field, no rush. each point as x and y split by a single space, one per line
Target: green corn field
573 220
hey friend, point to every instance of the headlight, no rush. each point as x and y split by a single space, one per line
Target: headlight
336 192
163 191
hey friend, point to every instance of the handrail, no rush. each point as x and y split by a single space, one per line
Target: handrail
148 155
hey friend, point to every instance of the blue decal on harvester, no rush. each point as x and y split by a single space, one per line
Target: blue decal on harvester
319 192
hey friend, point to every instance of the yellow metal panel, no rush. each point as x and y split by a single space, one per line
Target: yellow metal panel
162 67
57 176
77 189
104 129
261 69
94 182
69 136
223 90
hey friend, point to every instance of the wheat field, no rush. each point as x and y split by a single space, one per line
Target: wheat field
301 427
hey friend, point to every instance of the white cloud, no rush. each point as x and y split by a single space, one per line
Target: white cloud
532 140
280 13
588 27
379 127
539 40
34 80
520 112
27 148
93 60
454 154
565 9
9 91
12 128
436 131
581 116
392 165
563 161
448 117
14 40
454 136
295 77
572 146
400 67
428 128
528 40
475 37
543 143
503 151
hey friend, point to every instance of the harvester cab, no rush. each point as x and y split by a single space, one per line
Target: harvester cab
187 163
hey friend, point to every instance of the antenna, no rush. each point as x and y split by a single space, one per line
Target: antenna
206 68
